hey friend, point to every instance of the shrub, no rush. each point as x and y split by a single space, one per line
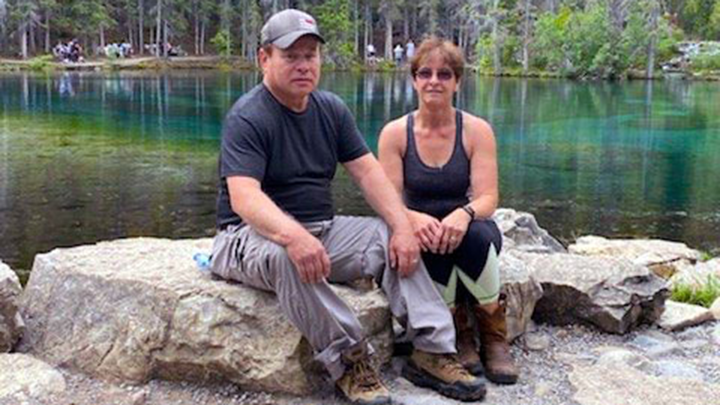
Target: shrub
703 295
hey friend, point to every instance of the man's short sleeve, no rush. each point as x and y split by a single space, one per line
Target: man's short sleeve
244 152
351 144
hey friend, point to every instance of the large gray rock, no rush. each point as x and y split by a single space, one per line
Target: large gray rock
612 294
137 309
621 384
698 275
521 292
23 377
662 257
522 232
11 323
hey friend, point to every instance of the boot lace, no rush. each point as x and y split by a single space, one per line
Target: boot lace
365 377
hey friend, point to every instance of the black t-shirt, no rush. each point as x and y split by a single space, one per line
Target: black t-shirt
293 155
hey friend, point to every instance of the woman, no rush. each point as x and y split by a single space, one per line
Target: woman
443 161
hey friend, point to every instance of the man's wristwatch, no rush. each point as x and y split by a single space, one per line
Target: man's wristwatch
469 210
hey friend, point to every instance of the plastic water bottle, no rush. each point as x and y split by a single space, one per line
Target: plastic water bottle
203 261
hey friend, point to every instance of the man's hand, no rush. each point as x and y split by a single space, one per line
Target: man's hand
426 227
452 231
308 255
404 252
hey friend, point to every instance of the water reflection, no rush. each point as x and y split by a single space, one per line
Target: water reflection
91 156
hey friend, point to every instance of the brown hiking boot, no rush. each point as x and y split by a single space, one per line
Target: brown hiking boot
494 348
361 384
466 347
444 374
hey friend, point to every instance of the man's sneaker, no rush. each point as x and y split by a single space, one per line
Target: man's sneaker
361 384
444 374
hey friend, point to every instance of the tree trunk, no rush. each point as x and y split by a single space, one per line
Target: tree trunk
23 40
406 23
652 44
388 38
141 27
158 37
47 31
356 27
526 39
33 44
165 39
202 37
497 41
196 30
102 37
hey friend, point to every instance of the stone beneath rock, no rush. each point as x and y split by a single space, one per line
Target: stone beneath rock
715 335
623 385
715 309
23 377
11 323
679 316
616 355
610 293
663 257
536 341
522 232
136 309
521 292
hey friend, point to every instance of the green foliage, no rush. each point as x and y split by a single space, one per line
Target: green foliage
589 41
42 62
484 51
696 18
703 295
549 45
335 24
706 62
222 42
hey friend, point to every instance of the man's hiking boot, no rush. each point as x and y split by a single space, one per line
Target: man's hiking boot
361 384
466 346
444 374
494 348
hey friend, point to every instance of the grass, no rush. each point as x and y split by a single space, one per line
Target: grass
703 295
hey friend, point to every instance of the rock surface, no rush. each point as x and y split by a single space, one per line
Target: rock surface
662 257
698 275
521 292
613 294
522 232
135 309
678 315
23 377
11 323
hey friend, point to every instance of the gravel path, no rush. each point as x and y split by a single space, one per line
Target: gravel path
546 357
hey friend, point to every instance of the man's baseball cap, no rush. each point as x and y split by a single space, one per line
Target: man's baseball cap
287 26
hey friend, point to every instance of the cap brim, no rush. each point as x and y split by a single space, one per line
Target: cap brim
287 40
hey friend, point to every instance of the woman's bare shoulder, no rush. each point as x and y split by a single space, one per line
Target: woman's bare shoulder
393 133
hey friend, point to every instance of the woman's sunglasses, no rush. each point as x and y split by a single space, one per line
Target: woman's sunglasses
427 74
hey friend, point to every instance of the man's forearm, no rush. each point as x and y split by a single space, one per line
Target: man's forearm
263 215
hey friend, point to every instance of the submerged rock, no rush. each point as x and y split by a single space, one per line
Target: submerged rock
11 323
135 309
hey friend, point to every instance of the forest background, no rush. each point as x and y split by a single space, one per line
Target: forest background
574 38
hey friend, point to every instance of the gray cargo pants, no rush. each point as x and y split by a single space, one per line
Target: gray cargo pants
357 247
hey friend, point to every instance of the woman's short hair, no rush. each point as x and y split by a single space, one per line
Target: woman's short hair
451 54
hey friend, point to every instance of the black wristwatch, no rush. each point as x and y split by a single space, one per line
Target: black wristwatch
470 211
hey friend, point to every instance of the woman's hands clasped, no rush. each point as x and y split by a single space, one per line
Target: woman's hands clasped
440 237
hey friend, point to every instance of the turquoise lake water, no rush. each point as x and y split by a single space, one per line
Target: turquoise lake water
96 156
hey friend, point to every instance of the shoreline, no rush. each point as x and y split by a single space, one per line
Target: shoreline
42 64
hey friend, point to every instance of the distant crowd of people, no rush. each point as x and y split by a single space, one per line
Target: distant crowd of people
401 55
118 50
69 52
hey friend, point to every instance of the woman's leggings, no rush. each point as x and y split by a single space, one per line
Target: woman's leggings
470 273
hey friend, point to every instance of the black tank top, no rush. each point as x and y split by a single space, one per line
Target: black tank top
436 190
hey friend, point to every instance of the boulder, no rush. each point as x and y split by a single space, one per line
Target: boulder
610 293
678 315
662 257
11 323
715 309
698 275
23 377
135 309
521 292
521 232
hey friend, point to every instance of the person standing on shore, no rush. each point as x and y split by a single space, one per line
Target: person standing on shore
277 231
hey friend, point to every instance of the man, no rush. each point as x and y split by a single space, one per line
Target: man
280 148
